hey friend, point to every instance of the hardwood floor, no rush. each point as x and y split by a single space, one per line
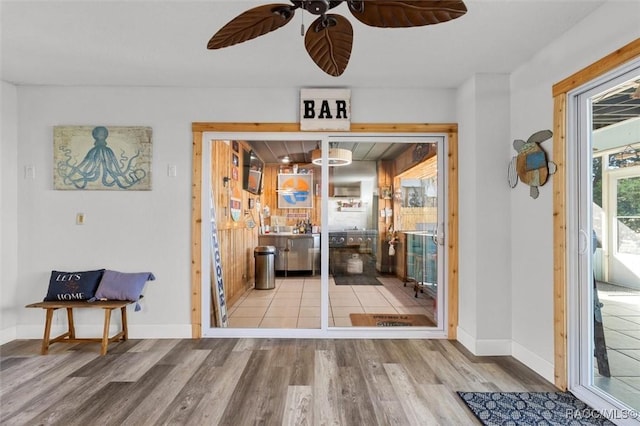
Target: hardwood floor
250 381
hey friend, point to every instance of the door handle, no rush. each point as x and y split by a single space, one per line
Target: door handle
583 242
436 237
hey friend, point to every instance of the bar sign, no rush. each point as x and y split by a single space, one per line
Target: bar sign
325 109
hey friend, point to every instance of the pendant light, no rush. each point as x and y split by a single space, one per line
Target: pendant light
337 157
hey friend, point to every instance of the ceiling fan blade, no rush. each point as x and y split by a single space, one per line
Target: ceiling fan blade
402 14
251 24
329 40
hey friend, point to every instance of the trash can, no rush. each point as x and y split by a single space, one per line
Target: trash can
265 267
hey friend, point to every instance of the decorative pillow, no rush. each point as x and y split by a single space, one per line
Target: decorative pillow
122 285
73 285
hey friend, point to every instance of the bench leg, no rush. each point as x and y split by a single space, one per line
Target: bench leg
47 332
71 326
125 331
105 333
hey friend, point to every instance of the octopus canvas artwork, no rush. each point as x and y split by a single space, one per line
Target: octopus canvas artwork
102 158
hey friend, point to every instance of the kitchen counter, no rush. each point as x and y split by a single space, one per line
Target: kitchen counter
418 232
294 252
289 234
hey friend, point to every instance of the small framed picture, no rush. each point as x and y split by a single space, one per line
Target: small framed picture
235 146
235 160
234 173
385 192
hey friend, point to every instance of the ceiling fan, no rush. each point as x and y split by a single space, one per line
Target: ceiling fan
329 38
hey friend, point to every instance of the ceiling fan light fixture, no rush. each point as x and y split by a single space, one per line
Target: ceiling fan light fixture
337 157
329 39
317 7
285 159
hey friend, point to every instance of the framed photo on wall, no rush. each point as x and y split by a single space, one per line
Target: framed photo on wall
235 160
116 158
295 191
385 192
235 146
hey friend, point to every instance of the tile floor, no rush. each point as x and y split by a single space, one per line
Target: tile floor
621 321
295 303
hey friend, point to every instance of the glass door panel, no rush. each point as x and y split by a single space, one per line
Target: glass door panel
384 219
612 273
362 235
268 214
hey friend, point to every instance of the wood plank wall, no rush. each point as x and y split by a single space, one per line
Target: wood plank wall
386 171
407 218
237 240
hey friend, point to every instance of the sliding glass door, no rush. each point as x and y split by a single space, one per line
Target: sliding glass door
339 235
603 170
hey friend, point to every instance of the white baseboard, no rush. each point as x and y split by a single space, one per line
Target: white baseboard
507 347
484 347
493 347
533 361
7 335
137 331
466 339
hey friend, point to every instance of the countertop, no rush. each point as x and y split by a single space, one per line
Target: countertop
418 232
289 234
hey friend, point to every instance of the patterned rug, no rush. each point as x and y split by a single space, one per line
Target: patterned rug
390 320
531 408
356 279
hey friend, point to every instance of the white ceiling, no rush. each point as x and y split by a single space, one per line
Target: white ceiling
163 43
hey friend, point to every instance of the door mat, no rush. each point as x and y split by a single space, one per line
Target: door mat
390 320
356 279
531 408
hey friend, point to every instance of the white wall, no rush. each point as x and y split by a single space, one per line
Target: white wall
8 211
532 220
147 231
484 287
467 223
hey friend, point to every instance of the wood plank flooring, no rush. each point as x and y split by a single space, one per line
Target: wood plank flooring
250 382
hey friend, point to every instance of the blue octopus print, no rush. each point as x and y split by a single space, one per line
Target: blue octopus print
100 165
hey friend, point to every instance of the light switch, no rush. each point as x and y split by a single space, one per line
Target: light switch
172 170
30 171
79 218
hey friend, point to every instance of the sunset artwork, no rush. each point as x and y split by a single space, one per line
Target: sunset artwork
294 191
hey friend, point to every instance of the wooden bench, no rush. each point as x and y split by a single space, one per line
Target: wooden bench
70 335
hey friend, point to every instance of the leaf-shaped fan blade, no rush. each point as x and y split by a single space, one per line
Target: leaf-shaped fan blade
251 24
328 41
401 14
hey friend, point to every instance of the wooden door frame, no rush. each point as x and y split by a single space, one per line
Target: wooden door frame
560 91
451 129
